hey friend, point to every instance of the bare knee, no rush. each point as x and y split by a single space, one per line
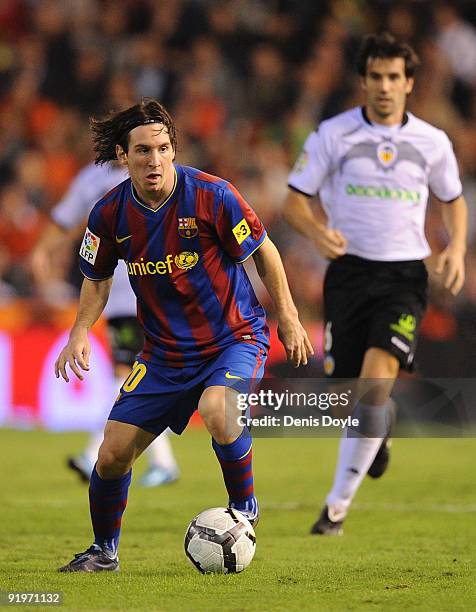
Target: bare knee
379 371
113 461
218 414
379 363
122 444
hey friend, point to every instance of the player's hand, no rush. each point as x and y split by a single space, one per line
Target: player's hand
76 354
330 243
294 338
452 260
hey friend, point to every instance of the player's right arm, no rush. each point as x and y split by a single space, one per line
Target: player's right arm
93 298
97 261
305 180
40 258
68 219
298 213
69 212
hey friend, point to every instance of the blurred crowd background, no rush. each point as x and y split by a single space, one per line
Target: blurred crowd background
245 80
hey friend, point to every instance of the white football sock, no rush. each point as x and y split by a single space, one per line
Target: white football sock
160 453
118 382
356 455
92 449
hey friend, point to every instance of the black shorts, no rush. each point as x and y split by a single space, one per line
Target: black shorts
371 304
126 338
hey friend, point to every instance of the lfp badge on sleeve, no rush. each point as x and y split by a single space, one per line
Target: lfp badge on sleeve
89 246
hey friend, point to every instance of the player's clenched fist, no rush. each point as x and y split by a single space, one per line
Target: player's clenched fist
330 243
75 354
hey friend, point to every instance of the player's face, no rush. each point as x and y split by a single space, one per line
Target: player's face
149 160
386 87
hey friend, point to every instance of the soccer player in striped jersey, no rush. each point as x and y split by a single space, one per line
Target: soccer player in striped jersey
373 168
183 235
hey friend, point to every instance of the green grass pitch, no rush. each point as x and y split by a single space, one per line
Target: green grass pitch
409 541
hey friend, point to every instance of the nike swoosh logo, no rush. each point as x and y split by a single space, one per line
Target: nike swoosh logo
228 375
119 240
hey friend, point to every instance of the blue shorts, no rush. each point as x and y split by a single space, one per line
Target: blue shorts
155 397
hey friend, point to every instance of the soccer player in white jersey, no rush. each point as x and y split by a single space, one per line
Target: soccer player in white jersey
373 168
125 334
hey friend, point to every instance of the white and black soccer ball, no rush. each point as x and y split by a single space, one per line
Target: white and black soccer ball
220 541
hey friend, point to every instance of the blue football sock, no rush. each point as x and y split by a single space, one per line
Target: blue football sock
107 502
236 464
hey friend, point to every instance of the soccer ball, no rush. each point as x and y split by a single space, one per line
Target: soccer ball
220 541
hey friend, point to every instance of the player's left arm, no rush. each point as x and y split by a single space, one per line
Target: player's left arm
291 332
451 260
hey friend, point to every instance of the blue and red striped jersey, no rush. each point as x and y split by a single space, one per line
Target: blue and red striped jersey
184 260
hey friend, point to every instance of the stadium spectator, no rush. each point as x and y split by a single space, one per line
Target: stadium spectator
457 39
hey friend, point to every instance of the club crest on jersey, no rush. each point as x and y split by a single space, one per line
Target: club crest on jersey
89 246
187 227
186 260
329 365
387 153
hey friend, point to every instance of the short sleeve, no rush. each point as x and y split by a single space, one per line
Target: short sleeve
238 227
73 208
312 165
97 255
87 188
444 180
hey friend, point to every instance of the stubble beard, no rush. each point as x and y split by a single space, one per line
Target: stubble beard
381 113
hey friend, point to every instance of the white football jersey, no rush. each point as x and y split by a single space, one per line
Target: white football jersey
374 181
89 186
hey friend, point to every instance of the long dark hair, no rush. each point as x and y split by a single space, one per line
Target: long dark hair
386 46
114 129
